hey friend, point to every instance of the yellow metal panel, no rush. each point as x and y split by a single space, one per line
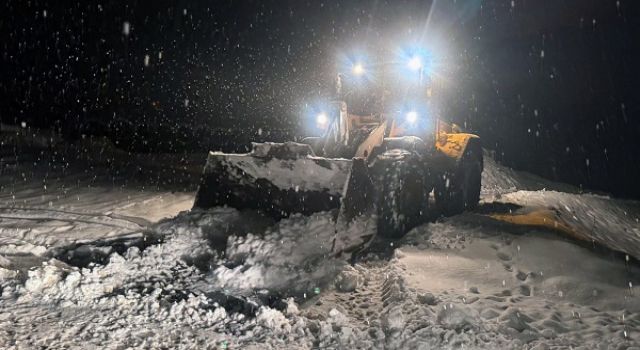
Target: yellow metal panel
453 145
543 218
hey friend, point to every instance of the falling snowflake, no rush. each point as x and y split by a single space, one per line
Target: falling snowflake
126 28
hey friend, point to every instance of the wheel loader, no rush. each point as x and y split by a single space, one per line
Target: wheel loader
382 155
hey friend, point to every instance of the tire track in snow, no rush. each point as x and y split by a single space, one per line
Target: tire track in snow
140 222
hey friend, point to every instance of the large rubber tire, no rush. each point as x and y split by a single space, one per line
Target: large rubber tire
403 200
460 191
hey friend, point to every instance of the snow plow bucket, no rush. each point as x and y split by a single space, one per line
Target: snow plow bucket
276 178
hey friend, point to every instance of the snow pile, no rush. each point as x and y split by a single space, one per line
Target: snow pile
614 223
498 179
492 291
606 221
139 299
293 257
142 297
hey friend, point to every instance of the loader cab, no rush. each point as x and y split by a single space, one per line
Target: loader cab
351 135
389 88
398 107
346 131
374 101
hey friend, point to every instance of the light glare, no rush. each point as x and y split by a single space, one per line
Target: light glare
412 117
322 119
358 69
415 63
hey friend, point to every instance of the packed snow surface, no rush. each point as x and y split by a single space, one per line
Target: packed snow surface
98 266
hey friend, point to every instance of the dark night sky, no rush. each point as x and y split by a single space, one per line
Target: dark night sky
551 86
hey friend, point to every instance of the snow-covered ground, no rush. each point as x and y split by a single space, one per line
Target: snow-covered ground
92 262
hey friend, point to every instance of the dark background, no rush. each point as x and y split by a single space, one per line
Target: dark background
550 85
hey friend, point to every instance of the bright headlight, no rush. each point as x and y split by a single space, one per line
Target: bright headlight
358 69
322 120
415 63
411 117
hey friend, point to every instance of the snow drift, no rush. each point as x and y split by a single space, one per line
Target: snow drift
223 278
